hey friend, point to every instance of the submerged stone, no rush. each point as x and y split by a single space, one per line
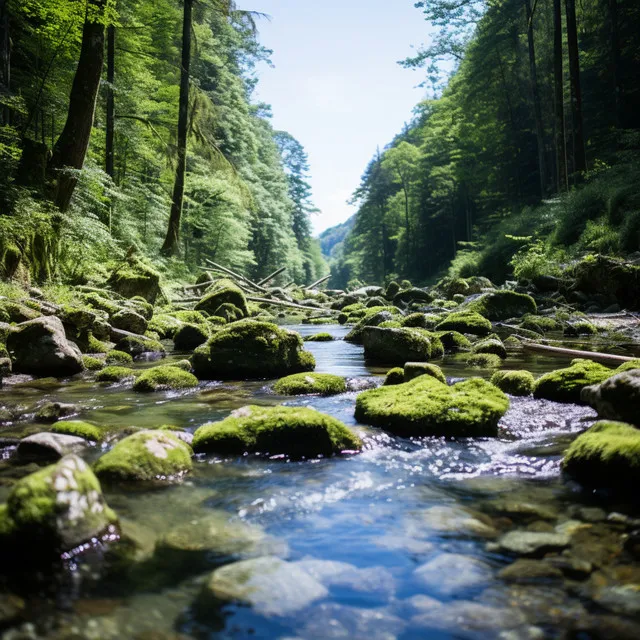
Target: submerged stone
566 385
52 411
533 543
294 431
515 383
427 407
325 384
165 377
450 574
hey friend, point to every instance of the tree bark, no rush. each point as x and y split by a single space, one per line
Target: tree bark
562 179
537 109
171 242
111 112
579 154
616 62
5 56
71 148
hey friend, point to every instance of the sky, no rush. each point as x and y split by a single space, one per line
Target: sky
336 85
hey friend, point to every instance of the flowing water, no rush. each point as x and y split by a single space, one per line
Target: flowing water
399 505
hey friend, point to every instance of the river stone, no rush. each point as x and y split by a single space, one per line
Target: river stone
454 520
451 574
395 346
271 586
617 398
622 599
523 571
40 347
129 320
52 411
521 511
532 543
50 446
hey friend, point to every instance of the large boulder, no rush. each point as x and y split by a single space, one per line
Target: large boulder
411 295
54 509
134 278
465 322
223 292
372 318
40 347
294 431
397 346
617 398
427 407
514 382
566 385
165 377
129 320
251 349
502 305
190 336
298 384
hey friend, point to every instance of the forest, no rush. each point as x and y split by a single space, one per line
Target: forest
132 125
525 157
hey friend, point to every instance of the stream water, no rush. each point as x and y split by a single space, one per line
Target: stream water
385 513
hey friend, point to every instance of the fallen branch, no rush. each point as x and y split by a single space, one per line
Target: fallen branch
277 272
575 353
318 282
293 305
237 276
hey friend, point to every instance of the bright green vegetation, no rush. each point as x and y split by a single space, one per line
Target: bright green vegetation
465 322
628 366
415 369
165 377
324 384
91 363
394 376
516 383
427 407
397 346
251 349
484 361
224 292
294 431
115 373
118 357
490 345
565 385
78 428
453 340
319 337
146 456
164 325
606 455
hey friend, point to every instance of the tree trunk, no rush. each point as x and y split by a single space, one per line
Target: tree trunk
71 147
562 179
579 156
616 62
5 56
111 112
537 109
171 242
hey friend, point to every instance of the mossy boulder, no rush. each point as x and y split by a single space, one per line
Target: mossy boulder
54 510
13 311
190 316
416 369
319 337
411 295
293 431
163 378
427 407
617 398
540 324
115 373
129 320
223 292
465 322
78 428
394 376
606 455
251 349
515 383
393 289
630 365
118 357
190 336
228 312
137 345
146 456
484 361
101 303
395 346
165 325
134 278
566 385
421 320
373 318
580 328
453 340
92 364
501 305
324 384
490 345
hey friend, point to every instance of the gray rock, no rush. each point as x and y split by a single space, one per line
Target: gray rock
617 398
623 599
395 346
52 411
523 571
532 543
40 347
453 520
451 574
50 446
129 320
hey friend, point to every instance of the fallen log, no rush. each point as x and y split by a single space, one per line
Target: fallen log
237 276
277 272
318 282
575 353
293 305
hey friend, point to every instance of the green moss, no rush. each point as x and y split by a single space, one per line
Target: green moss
228 312
184 364
580 328
318 321
416 369
146 456
96 301
465 322
92 364
453 340
223 292
294 431
394 376
324 384
134 278
422 320
628 366
141 307
501 305
374 317
516 383
251 349
96 346
511 342
396 346
357 309
78 428
190 336
484 361
490 345
319 337
393 289
607 455
165 377
189 316
565 385
137 345
540 324
118 357
116 374
426 407
390 324
217 321
165 325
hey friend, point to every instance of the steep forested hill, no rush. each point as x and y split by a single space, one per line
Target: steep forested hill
333 236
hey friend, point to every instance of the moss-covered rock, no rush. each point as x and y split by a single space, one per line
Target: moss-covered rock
228 312
223 292
540 324
293 431
606 455
319 321
319 337
426 407
54 509
501 305
515 383
141 306
251 349
93 345
190 336
163 378
118 357
101 303
134 278
165 325
393 289
324 384
115 373
146 456
580 328
129 320
394 376
416 369
617 398
453 341
137 345
189 316
421 320
484 361
566 385
78 428
490 345
92 364
395 346
465 322
411 295
373 318
390 324
13 311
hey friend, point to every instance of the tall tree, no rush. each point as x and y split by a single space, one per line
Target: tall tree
562 179
111 112
579 152
5 55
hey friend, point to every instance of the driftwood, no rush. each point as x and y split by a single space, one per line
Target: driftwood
318 282
277 272
575 353
293 305
237 276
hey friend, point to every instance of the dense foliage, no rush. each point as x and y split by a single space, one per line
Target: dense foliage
490 177
246 201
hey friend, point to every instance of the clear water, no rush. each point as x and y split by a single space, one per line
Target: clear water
398 505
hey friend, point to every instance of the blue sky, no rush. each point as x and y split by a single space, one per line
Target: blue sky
336 85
